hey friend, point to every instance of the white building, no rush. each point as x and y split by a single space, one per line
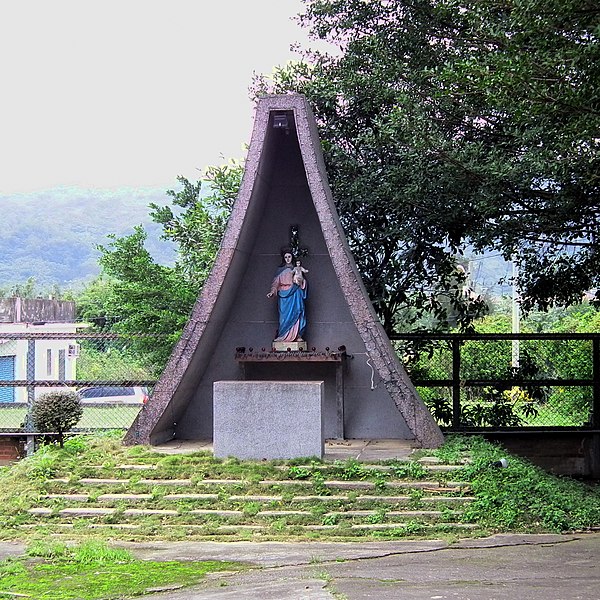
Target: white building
35 345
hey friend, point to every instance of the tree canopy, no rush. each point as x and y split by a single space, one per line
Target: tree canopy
450 125
136 294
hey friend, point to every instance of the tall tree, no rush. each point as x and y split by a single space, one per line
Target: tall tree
134 294
455 124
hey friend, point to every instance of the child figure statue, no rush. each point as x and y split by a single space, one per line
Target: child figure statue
299 270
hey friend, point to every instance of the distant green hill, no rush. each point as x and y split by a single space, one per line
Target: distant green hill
52 235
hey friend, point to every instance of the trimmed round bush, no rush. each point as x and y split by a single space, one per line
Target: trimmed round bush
57 412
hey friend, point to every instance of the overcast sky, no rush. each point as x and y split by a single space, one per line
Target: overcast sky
131 93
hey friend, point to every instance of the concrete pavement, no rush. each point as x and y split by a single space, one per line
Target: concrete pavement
501 567
532 567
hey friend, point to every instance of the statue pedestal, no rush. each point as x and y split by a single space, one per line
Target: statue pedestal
290 347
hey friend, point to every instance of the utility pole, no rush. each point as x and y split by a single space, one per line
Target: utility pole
516 313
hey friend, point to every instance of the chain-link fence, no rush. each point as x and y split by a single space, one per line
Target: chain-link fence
468 381
506 380
112 374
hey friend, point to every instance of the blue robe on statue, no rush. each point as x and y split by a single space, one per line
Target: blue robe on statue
290 299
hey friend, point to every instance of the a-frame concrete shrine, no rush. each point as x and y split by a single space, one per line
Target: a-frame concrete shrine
229 336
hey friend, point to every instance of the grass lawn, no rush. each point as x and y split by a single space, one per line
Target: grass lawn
94 571
12 416
119 416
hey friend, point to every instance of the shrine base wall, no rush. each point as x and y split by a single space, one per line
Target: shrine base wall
268 419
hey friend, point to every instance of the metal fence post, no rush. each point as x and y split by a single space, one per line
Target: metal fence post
30 444
456 418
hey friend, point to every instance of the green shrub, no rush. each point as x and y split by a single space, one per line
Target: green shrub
57 412
522 497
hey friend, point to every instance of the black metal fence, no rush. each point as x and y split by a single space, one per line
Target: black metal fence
474 381
112 374
499 381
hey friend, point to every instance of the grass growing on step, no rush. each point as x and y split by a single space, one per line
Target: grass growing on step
521 497
94 571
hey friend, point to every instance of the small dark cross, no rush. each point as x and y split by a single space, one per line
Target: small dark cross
295 242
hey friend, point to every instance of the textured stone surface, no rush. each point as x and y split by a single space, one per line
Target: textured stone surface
285 183
268 419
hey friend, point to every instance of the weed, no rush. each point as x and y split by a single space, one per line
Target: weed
251 509
524 497
350 470
279 525
76 444
409 470
297 472
415 496
331 519
318 483
323 575
413 527
380 516
318 510
517 498
93 572
449 453
50 550
381 478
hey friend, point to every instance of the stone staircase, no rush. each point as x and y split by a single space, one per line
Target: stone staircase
199 499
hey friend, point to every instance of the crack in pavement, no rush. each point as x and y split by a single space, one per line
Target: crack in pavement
491 542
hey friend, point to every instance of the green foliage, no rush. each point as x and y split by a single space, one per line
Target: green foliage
450 125
56 412
522 497
88 552
569 359
410 470
513 404
331 519
135 294
113 362
144 296
440 407
298 472
28 483
196 227
32 289
94 571
350 469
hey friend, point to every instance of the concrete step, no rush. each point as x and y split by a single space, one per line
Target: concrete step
390 513
433 467
138 497
216 512
88 511
96 511
369 485
135 498
331 484
232 529
191 497
124 497
384 526
67 497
